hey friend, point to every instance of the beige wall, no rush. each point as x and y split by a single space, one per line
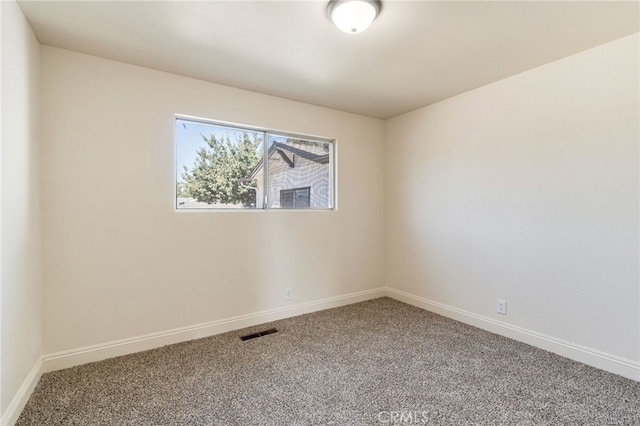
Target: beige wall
21 278
120 262
527 190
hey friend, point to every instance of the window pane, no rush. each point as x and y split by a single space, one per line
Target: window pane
217 166
299 173
286 199
302 198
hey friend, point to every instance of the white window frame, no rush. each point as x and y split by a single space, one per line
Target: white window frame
265 159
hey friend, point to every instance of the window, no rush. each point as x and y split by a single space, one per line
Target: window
227 167
298 198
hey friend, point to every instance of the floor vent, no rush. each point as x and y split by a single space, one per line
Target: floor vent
259 334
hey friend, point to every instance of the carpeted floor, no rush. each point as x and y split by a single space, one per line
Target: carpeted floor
376 362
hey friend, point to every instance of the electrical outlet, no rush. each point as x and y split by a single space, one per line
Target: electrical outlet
501 307
288 295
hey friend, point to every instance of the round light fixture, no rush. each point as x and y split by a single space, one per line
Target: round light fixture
353 16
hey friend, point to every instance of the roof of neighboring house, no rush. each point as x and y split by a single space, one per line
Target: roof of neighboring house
280 148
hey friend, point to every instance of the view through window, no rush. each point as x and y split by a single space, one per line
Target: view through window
225 167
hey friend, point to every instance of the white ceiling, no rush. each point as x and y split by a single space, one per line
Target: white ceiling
415 53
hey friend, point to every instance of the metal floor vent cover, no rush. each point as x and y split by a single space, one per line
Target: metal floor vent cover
259 334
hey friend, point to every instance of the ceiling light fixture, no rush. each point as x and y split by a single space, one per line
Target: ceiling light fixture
353 16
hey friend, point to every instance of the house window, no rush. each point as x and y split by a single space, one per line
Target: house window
229 167
299 198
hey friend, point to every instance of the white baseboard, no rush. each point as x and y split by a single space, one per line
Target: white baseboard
611 363
84 355
11 414
71 358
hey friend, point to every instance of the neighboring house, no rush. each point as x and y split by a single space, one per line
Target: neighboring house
299 176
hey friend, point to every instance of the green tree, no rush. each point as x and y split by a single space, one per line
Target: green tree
219 168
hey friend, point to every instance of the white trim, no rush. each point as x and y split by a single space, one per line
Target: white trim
71 358
10 416
240 126
604 361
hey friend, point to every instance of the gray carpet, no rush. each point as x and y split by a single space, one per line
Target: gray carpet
376 362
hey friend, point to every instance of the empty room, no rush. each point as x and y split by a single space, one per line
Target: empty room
347 212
